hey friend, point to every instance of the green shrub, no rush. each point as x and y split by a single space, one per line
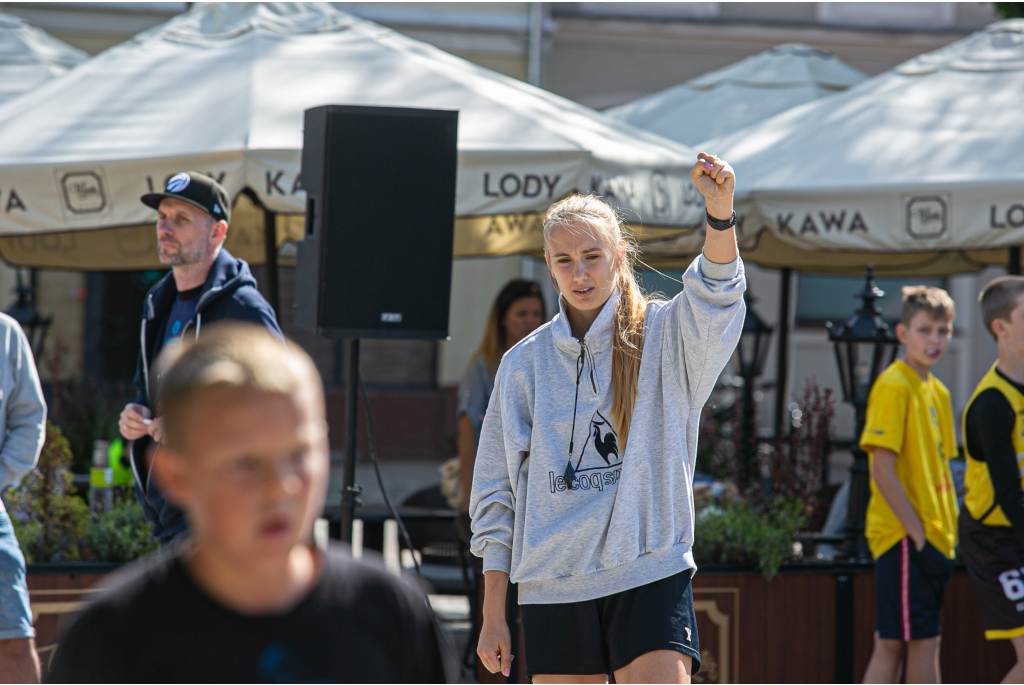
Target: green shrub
1010 10
737 533
49 519
122 532
52 522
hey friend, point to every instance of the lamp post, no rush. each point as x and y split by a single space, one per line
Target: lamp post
32 322
748 364
864 346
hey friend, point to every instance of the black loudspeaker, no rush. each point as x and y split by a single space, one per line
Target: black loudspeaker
376 260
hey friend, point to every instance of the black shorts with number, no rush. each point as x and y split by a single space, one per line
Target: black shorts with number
994 557
603 635
909 588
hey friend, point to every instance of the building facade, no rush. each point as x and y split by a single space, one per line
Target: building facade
599 54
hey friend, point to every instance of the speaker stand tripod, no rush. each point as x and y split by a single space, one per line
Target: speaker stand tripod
349 490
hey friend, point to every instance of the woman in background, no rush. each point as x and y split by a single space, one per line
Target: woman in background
517 311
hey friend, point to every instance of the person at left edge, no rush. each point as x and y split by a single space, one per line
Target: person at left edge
206 284
22 434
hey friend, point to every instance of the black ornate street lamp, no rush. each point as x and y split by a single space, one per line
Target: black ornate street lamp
32 322
748 364
864 346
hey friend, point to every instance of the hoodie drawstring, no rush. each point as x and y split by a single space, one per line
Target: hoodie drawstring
570 472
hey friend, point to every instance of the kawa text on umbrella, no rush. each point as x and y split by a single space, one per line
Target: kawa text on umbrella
830 222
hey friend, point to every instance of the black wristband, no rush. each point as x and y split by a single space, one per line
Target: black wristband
720 225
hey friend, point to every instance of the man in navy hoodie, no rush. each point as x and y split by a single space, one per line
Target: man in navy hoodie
206 284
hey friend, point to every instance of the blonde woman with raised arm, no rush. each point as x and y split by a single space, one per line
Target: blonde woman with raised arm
582 491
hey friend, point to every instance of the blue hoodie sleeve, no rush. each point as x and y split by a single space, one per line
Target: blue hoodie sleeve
140 383
247 304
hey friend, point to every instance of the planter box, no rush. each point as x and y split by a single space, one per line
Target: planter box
56 590
815 624
753 630
809 624
965 655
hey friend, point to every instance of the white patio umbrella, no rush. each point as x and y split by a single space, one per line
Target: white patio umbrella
919 169
30 57
222 89
740 94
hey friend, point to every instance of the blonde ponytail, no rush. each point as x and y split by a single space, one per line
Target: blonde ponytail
628 320
627 346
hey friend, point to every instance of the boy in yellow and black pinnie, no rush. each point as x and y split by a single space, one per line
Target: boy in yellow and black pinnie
911 519
992 519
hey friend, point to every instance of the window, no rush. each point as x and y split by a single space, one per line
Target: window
644 10
832 298
903 15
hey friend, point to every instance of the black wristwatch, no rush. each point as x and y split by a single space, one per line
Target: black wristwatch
720 225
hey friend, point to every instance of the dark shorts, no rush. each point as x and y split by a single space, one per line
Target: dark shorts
603 635
994 557
908 591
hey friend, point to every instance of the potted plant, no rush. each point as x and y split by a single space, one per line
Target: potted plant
67 549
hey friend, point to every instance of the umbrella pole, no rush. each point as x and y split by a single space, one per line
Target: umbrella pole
270 258
1013 265
782 365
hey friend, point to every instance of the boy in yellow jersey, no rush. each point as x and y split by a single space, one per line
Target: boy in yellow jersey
911 519
992 519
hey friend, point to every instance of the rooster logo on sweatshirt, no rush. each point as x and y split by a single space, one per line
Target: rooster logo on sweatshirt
599 463
602 449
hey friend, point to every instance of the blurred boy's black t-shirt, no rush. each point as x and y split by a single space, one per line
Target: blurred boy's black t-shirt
359 624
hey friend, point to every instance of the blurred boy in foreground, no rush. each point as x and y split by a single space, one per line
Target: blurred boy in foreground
248 598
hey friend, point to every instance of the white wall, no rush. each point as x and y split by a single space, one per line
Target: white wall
8 281
61 294
475 284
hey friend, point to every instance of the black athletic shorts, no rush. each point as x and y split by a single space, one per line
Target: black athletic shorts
603 635
994 557
909 586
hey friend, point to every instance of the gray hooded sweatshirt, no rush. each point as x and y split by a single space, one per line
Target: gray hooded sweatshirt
556 502
22 408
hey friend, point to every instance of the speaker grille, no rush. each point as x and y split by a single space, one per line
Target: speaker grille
383 219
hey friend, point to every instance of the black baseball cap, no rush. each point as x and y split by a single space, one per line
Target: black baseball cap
196 189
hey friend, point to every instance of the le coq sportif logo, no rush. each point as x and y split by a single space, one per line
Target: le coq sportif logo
599 464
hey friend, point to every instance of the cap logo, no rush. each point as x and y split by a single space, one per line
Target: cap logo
216 208
178 183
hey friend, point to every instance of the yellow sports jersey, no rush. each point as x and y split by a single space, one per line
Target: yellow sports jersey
980 497
914 419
